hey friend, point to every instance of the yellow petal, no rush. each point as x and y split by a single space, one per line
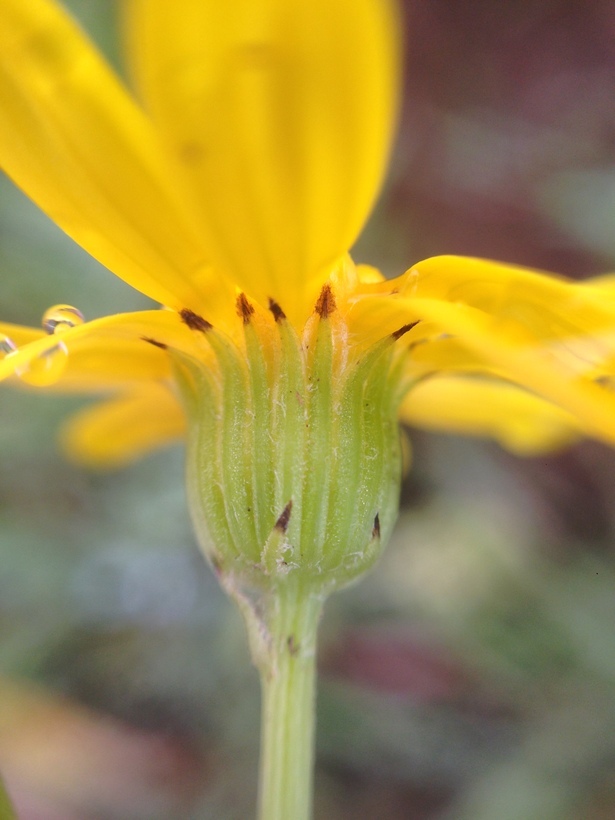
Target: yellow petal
76 143
19 334
437 352
572 323
539 369
282 113
533 305
552 337
102 354
606 283
97 365
114 433
108 364
518 420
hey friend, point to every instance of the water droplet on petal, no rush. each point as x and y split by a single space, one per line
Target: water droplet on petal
7 345
59 318
46 368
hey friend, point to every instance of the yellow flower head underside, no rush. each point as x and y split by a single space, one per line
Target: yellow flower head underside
249 166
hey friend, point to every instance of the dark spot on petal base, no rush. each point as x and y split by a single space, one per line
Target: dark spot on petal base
244 308
194 321
402 330
278 313
154 342
326 302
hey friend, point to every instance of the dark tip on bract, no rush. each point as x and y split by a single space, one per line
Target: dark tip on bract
194 321
154 342
244 308
376 527
282 523
326 302
278 313
216 564
402 330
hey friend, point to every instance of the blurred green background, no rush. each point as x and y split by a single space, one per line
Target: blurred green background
472 675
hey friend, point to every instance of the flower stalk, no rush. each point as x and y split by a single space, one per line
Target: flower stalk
288 678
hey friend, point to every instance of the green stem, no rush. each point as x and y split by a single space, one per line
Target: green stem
288 676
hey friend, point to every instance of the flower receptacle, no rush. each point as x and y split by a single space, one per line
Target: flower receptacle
294 459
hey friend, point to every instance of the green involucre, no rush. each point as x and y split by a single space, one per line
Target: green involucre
294 458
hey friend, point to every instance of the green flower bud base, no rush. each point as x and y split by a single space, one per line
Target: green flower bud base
293 477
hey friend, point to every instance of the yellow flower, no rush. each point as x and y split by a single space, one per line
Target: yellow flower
253 168
231 199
